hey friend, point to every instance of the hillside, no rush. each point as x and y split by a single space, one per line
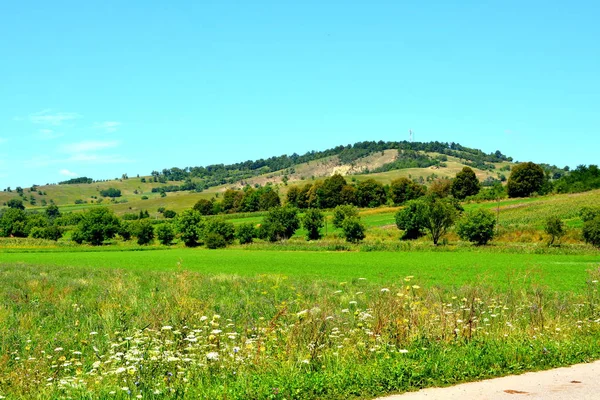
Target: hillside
382 161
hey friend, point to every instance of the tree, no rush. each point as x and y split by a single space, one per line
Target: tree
312 221
555 228
353 230
440 215
220 227
16 204
477 227
525 179
110 192
280 223
96 226
330 191
245 233
214 241
190 225
144 231
411 219
340 213
52 212
370 193
465 184
268 199
13 223
403 190
440 188
165 234
591 231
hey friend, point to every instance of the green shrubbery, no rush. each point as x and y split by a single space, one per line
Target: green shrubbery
477 227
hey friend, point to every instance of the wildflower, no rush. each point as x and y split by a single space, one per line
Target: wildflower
212 356
416 287
385 290
167 328
216 331
203 318
93 333
352 302
58 349
403 351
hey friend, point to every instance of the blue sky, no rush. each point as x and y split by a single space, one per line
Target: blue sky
102 88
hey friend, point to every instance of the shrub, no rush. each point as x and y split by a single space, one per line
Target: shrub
353 230
205 207
477 227
110 192
555 228
411 219
340 213
190 226
404 189
312 221
245 233
97 225
214 241
591 231
280 223
440 215
220 227
51 232
169 214
165 234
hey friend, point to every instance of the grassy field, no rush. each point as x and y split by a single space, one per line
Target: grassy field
178 325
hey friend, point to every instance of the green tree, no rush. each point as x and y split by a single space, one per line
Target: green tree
280 223
477 227
13 223
353 230
411 219
214 241
96 226
340 213
440 188
313 220
440 216
190 225
404 189
591 231
269 198
165 234
52 212
220 227
370 193
330 191
245 233
110 192
16 204
555 228
465 184
144 231
525 179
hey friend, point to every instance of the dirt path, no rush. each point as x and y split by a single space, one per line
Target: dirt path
580 382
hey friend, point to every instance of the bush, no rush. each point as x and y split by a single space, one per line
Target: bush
591 231
245 233
51 232
96 226
465 184
555 228
214 241
312 221
403 190
477 227
340 213
440 215
220 227
353 230
169 214
110 192
205 207
144 232
165 234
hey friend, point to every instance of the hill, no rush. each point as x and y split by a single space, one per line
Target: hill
180 188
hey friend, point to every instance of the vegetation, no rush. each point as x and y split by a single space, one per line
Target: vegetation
353 230
165 234
477 227
312 221
465 184
525 179
96 226
555 228
404 189
190 225
279 224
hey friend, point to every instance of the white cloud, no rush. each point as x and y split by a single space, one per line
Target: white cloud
47 117
108 126
48 134
66 172
90 145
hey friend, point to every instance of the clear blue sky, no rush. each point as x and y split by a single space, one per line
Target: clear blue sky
101 88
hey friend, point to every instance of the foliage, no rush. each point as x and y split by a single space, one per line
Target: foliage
204 207
15 203
169 214
525 179
581 179
589 213
404 189
110 192
370 193
331 190
76 181
245 233
144 231
312 221
340 213
96 226
465 184
555 228
411 219
52 212
477 227
214 240
439 217
190 225
353 230
280 223
591 231
440 188
165 234
220 227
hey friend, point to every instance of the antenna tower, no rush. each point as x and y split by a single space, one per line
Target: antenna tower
411 135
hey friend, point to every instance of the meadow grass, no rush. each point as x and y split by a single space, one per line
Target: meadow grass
90 332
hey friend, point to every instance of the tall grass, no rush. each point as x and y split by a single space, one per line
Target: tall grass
97 333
